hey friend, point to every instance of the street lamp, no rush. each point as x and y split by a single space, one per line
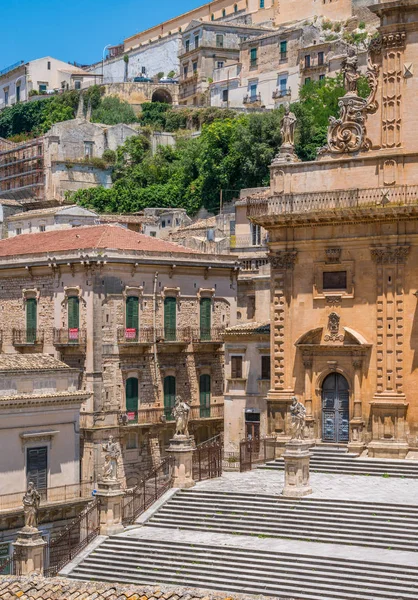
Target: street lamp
103 57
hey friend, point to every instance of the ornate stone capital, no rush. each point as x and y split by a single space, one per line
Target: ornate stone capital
395 39
357 363
308 361
390 254
283 259
333 300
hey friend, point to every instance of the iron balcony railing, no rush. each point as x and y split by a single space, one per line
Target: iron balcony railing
333 200
173 334
69 337
58 494
27 337
214 334
142 416
251 98
131 336
211 411
281 93
248 241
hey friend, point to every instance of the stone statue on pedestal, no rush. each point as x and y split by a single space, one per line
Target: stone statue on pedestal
287 127
110 467
298 415
181 412
350 71
31 501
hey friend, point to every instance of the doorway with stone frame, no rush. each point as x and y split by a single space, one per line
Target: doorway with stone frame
335 399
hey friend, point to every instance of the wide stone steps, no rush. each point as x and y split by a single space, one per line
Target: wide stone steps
125 559
328 459
315 520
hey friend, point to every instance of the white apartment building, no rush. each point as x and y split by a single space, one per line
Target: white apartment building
42 75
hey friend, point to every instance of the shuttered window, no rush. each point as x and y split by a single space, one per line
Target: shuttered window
169 396
205 318
31 320
265 367
170 319
204 393
131 391
236 367
36 467
132 314
73 312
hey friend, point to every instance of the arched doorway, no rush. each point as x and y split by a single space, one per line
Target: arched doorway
162 95
335 408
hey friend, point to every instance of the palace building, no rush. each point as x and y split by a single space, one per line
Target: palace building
343 238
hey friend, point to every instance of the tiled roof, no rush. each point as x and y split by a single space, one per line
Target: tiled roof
58 588
259 328
126 219
97 237
29 362
201 224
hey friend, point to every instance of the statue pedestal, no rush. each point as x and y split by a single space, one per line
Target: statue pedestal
29 549
181 449
110 495
296 469
286 154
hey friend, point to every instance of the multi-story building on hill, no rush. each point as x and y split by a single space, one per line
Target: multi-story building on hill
41 171
142 319
343 233
41 75
205 47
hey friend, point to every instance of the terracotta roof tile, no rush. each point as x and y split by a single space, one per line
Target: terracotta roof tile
93 237
29 362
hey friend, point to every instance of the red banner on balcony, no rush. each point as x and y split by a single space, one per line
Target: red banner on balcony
131 416
130 333
73 334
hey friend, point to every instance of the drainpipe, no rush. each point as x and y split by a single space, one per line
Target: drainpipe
155 328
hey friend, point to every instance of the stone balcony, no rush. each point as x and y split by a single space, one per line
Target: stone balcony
52 495
323 205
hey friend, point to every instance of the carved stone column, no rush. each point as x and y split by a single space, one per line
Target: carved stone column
181 448
310 420
110 495
296 469
356 443
29 551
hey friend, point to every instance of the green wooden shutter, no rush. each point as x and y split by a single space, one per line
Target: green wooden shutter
73 312
31 320
205 318
204 392
131 390
132 313
37 467
169 396
170 319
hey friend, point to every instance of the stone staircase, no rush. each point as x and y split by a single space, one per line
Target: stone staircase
314 520
282 575
334 459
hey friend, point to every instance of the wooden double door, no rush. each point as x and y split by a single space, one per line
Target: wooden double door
335 409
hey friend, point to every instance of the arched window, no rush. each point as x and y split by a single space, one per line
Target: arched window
31 320
204 395
131 402
235 8
169 396
212 17
224 13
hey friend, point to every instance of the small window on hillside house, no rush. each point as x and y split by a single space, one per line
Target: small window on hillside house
307 61
224 95
236 367
253 57
334 280
88 149
283 50
49 65
219 40
320 58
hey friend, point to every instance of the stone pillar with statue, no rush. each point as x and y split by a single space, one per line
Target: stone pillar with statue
181 446
296 455
286 152
29 544
109 491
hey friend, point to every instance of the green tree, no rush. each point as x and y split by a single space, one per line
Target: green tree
113 110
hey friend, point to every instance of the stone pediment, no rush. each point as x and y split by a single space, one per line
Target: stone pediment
322 340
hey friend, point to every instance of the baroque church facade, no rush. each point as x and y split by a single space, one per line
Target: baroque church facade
343 233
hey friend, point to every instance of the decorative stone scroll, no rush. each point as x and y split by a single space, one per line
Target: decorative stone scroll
390 254
333 255
348 132
283 259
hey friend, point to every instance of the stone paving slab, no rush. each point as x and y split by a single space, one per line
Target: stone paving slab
360 488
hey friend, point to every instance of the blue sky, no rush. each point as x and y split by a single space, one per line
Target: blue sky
76 29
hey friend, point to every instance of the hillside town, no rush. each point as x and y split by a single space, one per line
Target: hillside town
208 293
